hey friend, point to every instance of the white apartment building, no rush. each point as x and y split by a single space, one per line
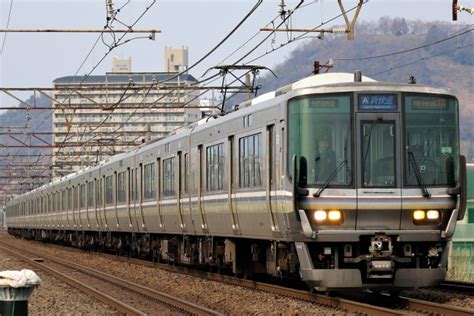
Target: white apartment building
100 116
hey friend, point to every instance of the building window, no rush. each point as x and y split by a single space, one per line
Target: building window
109 193
149 183
215 167
121 197
168 177
250 161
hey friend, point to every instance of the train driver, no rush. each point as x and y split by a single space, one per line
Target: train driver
325 161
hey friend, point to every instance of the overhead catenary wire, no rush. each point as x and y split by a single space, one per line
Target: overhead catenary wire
452 36
7 27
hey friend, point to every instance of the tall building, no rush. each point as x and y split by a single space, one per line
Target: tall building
122 65
100 116
176 59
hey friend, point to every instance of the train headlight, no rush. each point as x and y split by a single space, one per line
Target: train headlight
320 215
432 214
334 215
419 215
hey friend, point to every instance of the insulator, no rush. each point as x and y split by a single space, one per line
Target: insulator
339 30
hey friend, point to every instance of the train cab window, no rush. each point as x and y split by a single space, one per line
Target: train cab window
215 167
320 131
250 161
149 183
431 139
121 197
169 182
90 194
378 154
109 190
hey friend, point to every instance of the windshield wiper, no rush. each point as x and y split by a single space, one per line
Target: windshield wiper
337 169
329 179
419 179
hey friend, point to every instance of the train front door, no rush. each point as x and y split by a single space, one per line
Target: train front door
378 169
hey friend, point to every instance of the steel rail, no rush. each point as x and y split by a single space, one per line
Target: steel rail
457 286
162 297
120 306
349 305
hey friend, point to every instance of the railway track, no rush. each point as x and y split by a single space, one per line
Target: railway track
349 305
127 297
336 302
459 287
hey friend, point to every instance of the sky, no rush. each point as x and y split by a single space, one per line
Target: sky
36 59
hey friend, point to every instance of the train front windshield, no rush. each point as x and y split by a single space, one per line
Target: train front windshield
422 132
431 140
320 130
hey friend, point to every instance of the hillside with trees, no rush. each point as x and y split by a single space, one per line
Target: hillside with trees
441 63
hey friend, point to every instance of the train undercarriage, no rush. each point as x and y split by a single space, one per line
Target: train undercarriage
374 262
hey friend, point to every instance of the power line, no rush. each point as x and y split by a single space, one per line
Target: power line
457 34
302 36
422 59
8 24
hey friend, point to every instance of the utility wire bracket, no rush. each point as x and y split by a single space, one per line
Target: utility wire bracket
350 24
244 87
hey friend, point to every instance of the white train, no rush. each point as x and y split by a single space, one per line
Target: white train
336 179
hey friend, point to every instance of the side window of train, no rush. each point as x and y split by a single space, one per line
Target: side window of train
169 177
215 167
250 161
149 183
90 194
82 196
109 190
121 197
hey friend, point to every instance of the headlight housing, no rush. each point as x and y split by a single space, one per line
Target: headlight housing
426 217
328 217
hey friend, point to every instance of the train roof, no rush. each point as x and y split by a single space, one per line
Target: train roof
320 83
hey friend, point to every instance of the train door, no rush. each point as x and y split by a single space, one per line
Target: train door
179 185
158 192
204 226
141 219
133 199
230 181
378 170
269 175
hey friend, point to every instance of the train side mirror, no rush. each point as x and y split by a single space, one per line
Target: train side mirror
303 174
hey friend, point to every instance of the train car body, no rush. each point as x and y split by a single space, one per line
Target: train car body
343 184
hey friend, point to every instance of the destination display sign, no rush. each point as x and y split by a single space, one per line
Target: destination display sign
384 102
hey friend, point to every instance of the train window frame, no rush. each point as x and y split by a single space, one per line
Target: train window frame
405 162
262 144
215 168
169 176
149 181
286 146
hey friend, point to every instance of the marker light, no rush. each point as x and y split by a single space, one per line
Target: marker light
320 215
419 215
334 215
432 214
